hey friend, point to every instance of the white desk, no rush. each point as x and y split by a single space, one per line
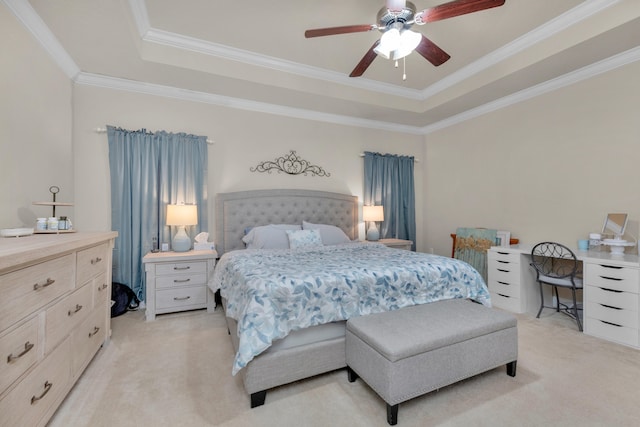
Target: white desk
611 296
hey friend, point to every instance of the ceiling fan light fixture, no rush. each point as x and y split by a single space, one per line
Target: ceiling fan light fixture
389 42
409 40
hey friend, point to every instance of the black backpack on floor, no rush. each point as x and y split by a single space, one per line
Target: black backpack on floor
123 299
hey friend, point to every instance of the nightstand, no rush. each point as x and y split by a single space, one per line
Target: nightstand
397 243
177 281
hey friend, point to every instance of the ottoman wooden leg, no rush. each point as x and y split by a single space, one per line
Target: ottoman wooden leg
351 374
392 414
511 368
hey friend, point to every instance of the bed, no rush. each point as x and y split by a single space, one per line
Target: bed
277 349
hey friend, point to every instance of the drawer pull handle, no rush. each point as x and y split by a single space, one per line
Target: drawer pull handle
78 308
181 298
611 278
611 307
27 347
503 262
617 267
504 271
504 283
181 280
96 260
505 296
47 283
182 268
47 387
612 324
611 290
503 253
102 287
95 331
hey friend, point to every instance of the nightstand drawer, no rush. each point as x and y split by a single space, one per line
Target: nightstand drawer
189 279
181 297
196 267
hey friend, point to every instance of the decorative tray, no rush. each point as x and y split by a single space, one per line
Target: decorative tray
16 232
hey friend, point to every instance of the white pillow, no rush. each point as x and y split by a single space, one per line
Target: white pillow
304 238
272 236
330 234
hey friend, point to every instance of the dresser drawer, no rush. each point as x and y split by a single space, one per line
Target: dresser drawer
613 277
616 316
88 338
39 391
506 302
616 333
504 256
91 262
504 288
194 267
613 298
101 290
27 290
176 298
66 315
18 352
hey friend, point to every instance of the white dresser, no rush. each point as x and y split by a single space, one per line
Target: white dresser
177 281
54 316
611 295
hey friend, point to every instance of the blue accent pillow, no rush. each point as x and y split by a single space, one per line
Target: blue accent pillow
304 238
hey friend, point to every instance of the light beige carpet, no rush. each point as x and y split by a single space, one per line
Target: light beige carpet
176 371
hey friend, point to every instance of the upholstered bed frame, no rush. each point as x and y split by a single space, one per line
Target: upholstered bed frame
237 211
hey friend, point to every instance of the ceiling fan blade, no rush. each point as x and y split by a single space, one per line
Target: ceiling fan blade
319 32
366 60
454 8
431 52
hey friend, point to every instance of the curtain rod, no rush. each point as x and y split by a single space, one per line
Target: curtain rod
104 130
414 159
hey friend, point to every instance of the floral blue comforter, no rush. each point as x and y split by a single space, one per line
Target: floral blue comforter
273 292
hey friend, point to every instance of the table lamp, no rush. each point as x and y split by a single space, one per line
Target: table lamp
372 214
180 216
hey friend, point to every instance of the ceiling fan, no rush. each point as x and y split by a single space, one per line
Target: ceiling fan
395 20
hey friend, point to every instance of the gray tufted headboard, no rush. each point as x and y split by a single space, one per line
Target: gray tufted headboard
239 210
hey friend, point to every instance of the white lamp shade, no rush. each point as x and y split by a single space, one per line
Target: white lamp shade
182 214
372 213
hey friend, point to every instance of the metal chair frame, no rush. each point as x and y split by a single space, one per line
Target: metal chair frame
557 266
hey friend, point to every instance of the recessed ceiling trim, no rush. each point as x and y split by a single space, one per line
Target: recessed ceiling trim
25 13
592 70
140 16
237 103
533 37
192 44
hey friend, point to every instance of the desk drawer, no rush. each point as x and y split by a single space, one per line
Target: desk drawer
504 256
506 302
617 316
620 334
504 272
613 277
618 299
504 288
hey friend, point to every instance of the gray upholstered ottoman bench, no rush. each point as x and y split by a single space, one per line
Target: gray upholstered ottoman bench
408 352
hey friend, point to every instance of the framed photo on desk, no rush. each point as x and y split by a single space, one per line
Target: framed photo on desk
503 238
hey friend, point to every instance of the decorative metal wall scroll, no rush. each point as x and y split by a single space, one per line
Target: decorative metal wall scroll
290 164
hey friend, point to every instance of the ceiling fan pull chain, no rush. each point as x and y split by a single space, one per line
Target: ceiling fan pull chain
404 70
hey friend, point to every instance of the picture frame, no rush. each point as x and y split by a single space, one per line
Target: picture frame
503 238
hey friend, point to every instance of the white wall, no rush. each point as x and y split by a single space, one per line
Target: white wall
35 128
548 168
242 140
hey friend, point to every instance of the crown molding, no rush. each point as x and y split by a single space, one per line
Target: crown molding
25 13
237 103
